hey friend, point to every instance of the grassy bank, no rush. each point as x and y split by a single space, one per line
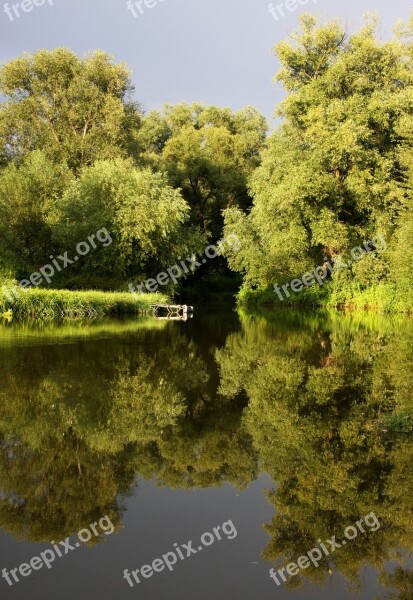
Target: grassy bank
38 303
384 299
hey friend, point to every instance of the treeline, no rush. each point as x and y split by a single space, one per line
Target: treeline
338 172
78 154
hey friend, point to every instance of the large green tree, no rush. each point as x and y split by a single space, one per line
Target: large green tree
78 155
207 152
146 217
75 110
333 175
28 193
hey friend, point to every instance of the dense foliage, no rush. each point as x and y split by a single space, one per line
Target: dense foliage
337 173
78 154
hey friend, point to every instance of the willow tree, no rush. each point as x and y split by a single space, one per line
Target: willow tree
148 220
75 110
332 176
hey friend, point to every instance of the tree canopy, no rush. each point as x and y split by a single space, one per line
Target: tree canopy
77 153
335 173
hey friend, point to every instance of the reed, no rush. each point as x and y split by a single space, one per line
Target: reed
38 303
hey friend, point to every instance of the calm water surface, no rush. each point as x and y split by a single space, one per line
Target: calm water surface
291 427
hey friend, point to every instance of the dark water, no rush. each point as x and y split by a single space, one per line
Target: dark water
283 432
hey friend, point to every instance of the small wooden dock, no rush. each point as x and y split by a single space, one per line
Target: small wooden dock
172 311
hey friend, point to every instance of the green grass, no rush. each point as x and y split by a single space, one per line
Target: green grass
383 299
399 423
311 297
45 304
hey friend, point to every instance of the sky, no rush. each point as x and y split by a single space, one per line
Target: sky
218 52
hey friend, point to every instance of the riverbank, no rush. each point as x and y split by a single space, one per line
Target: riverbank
384 299
38 303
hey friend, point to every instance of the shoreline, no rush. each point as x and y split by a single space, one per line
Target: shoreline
88 304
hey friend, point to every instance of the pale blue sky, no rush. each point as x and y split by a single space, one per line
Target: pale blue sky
213 51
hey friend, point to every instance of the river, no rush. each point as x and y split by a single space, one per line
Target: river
224 446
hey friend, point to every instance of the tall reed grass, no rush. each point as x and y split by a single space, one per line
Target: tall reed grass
38 303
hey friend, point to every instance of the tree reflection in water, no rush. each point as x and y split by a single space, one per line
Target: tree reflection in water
322 404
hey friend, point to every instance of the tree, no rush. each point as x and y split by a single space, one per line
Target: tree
75 110
146 218
208 153
28 193
402 247
332 176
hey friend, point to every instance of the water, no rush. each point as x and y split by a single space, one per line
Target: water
287 430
